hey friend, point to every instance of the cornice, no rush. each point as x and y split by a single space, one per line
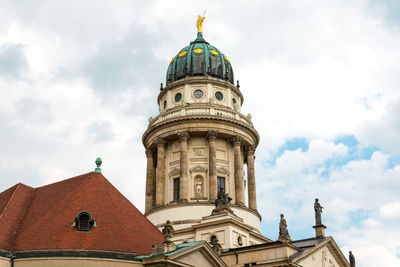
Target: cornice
203 203
200 118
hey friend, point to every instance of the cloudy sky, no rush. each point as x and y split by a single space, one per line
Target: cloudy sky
78 80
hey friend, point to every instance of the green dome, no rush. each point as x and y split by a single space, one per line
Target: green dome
199 59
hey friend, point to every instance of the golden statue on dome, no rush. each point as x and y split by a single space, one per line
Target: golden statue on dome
199 23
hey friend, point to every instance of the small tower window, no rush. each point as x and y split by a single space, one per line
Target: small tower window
84 221
178 97
177 182
198 94
221 184
219 96
165 104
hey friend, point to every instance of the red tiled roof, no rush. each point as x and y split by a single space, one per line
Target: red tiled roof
14 203
50 213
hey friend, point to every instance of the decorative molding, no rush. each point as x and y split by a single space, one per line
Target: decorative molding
149 153
183 136
198 168
198 152
223 170
212 135
198 160
250 150
237 140
160 142
174 172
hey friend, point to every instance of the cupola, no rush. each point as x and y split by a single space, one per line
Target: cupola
199 59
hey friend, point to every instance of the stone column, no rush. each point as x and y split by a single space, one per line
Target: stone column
212 164
183 139
251 179
238 162
149 180
160 173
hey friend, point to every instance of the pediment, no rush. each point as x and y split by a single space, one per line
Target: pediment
198 168
223 170
174 172
327 250
199 255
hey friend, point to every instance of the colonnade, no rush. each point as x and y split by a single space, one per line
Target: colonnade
155 174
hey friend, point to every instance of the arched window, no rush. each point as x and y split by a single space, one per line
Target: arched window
84 221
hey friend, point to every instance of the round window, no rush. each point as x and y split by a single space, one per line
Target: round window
178 97
198 94
219 96
233 101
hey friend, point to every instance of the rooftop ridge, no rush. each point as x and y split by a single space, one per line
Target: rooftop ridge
66 180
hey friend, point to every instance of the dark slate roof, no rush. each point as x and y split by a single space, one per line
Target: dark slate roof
40 219
304 245
199 59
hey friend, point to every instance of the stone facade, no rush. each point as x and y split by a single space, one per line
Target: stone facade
202 142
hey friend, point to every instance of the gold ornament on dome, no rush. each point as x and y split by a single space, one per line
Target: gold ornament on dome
172 60
198 51
226 58
182 54
199 23
214 53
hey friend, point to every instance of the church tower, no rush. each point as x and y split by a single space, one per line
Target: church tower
198 146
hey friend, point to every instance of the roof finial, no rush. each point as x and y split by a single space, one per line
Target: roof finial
98 163
199 23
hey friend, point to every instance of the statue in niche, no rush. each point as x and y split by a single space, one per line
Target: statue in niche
283 231
222 203
198 187
318 210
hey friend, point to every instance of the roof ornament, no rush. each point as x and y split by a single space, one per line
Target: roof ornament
98 163
161 87
237 85
168 232
318 210
222 203
284 236
352 260
215 245
199 23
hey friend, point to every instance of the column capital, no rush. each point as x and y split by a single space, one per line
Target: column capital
237 140
149 153
183 136
250 150
160 142
212 135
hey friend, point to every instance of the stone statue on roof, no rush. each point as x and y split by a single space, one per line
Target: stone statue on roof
318 210
222 203
283 231
352 260
168 231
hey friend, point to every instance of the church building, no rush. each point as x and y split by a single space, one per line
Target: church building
198 148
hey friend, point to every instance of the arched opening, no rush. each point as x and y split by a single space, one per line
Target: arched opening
84 221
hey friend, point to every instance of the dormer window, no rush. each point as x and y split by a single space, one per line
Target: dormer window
84 221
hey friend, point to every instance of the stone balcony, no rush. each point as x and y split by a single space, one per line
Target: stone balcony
201 110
